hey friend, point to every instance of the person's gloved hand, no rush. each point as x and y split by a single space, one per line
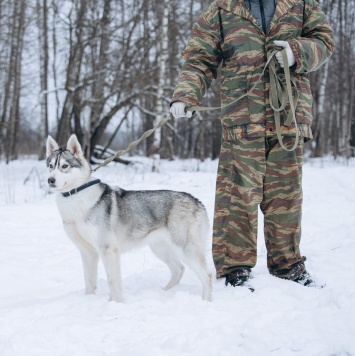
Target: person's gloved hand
290 56
177 109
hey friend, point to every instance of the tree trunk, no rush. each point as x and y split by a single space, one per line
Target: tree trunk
98 94
42 15
320 139
13 111
73 73
161 107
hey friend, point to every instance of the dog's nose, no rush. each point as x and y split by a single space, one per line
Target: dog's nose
51 181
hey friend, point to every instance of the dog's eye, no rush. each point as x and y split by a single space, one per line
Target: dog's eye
51 166
65 166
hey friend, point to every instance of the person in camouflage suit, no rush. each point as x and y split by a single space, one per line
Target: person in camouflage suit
253 167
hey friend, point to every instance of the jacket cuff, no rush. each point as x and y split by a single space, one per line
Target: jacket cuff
185 99
299 65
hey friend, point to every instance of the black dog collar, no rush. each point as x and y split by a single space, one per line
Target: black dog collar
82 187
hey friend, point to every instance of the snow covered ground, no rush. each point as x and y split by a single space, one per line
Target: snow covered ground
43 309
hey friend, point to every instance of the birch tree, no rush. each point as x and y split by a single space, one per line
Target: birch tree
107 70
161 107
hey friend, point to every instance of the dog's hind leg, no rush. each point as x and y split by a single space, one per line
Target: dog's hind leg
197 262
168 256
90 260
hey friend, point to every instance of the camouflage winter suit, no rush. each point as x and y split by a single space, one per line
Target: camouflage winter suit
253 168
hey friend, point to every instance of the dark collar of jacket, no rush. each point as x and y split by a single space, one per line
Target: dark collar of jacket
239 8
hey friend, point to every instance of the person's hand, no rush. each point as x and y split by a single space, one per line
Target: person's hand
290 56
177 109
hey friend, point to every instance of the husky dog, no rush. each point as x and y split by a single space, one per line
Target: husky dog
104 222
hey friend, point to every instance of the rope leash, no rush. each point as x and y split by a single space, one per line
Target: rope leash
134 143
286 96
279 97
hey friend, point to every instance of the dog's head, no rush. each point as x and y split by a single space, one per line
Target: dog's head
67 167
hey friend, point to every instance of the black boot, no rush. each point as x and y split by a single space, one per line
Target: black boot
305 279
238 277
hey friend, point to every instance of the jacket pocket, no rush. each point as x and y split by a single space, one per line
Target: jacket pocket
235 110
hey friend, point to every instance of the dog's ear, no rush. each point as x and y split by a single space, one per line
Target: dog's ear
74 146
51 145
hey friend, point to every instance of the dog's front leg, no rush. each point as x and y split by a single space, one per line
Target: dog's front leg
111 260
90 261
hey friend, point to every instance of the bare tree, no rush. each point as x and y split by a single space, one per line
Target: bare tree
11 104
76 20
107 71
42 22
162 59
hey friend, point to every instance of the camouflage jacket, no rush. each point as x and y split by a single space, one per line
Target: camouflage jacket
227 36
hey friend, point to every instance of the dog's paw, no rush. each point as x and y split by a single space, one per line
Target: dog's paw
89 291
116 298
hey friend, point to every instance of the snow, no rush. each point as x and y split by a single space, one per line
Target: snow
43 309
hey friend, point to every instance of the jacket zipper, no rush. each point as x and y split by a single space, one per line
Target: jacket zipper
262 15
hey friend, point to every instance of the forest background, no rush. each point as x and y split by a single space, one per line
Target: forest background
106 70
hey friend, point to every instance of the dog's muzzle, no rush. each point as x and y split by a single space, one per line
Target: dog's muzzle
51 182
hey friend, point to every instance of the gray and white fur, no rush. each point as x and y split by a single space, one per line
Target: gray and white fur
103 222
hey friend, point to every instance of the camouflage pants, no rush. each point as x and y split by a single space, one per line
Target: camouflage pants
252 172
